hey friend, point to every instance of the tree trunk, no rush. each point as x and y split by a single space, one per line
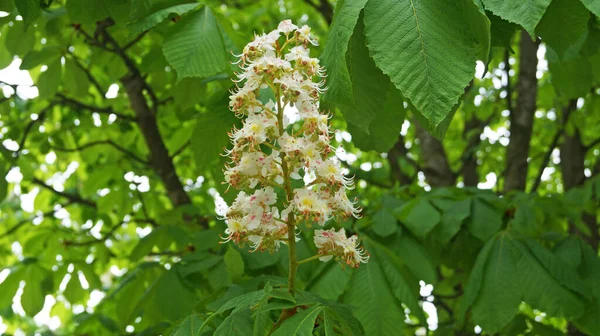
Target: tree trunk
521 118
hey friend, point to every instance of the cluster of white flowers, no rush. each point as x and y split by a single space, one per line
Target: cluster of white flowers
268 150
335 244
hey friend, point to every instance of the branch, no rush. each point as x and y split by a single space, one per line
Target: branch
181 149
100 110
93 241
393 155
468 167
521 118
135 40
103 142
592 144
89 75
73 198
28 128
508 87
21 223
559 132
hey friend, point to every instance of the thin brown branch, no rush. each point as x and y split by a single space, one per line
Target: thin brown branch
135 40
181 149
29 127
111 143
104 238
73 198
88 74
100 110
592 144
559 132
21 223
508 87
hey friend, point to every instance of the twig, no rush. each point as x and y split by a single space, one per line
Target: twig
100 110
73 198
93 241
21 223
28 128
103 142
89 75
559 132
181 149
135 40
508 87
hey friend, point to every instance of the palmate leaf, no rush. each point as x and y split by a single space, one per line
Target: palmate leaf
526 13
593 6
425 48
509 271
195 47
236 324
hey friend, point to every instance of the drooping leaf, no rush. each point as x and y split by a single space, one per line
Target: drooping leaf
384 223
526 13
334 54
236 324
564 22
479 25
500 294
49 80
194 46
406 40
189 326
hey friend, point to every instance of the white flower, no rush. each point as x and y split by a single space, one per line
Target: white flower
311 204
331 243
304 36
286 26
297 52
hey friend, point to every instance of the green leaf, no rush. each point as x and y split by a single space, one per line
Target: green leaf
243 301
39 57
384 130
331 283
334 55
301 324
234 262
157 17
474 283
526 13
236 324
502 32
454 213
36 287
571 78
30 10
593 6
20 38
373 303
369 84
194 46
500 294
425 48
189 326
210 134
49 80
419 216
9 287
172 297
87 11
4 167
485 219
416 256
77 82
479 25
564 22
74 293
384 223
536 283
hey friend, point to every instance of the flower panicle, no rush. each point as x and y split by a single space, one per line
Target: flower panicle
270 139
